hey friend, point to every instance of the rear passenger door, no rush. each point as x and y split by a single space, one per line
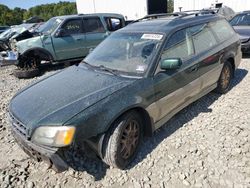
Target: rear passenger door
94 33
175 87
208 52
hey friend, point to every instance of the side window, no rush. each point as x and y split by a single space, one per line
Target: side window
93 25
235 20
222 29
203 38
72 27
179 45
113 24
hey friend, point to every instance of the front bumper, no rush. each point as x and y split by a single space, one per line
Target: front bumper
49 155
8 58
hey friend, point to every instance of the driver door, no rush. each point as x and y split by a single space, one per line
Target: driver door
175 87
69 44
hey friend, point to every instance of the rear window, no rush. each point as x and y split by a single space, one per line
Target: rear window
93 25
222 29
203 38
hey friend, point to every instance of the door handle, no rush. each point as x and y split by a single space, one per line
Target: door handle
193 68
79 39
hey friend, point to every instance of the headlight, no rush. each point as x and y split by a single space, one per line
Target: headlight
54 136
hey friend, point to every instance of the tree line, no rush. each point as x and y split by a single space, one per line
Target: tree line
17 15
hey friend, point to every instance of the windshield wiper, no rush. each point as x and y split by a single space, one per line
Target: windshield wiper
88 65
103 68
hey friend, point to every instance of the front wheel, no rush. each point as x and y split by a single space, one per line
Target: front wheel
29 73
225 79
122 141
28 67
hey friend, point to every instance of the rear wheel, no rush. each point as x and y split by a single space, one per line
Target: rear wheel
225 79
122 141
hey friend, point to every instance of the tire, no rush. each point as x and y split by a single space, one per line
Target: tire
30 73
118 150
225 79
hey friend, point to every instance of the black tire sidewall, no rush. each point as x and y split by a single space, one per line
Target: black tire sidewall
115 135
123 163
30 73
220 89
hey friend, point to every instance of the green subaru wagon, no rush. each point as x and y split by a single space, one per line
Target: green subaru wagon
129 86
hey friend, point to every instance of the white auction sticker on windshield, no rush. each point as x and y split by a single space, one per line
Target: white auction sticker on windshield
152 36
141 68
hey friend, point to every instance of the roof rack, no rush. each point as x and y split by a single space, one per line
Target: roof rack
155 16
201 12
177 14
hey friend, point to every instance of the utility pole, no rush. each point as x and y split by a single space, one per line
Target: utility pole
94 5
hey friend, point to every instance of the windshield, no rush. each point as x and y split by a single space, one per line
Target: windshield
50 26
242 19
126 52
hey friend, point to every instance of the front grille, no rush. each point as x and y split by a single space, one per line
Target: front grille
18 126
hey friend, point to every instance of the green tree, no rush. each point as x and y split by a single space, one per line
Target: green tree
50 10
17 15
170 6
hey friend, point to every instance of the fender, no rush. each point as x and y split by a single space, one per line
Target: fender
228 55
96 142
37 51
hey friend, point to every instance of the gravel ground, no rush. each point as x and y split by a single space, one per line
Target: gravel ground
205 145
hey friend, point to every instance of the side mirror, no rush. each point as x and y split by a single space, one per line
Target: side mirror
60 33
171 63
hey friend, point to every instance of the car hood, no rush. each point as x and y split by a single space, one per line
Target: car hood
58 98
242 30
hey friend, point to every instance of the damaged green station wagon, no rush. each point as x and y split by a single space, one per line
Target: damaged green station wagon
128 87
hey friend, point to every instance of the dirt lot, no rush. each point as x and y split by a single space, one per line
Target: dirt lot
205 145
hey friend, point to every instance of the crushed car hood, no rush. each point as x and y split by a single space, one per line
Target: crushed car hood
58 98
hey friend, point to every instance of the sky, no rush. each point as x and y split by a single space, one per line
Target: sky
26 4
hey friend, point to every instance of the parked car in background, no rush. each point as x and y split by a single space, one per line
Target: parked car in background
64 38
10 37
34 19
3 28
241 24
225 11
14 34
129 86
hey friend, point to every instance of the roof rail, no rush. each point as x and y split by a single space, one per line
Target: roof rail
177 14
155 16
201 12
